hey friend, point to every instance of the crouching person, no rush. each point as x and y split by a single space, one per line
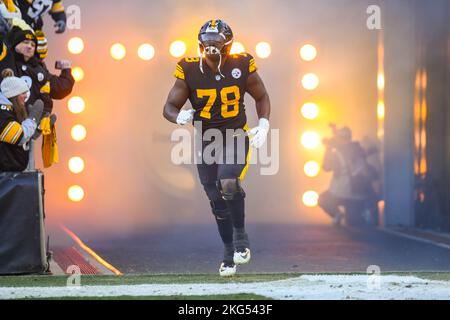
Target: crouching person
17 124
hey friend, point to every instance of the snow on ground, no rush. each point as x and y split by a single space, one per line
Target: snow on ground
334 287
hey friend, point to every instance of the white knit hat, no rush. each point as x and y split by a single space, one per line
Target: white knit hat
13 86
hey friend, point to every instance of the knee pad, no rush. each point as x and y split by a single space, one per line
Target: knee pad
230 189
220 210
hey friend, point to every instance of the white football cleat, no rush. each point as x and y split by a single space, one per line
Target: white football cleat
227 270
242 257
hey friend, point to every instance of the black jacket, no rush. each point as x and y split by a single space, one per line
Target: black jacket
13 157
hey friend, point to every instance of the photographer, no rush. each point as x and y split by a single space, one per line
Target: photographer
350 185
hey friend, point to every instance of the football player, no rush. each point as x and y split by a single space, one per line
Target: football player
215 83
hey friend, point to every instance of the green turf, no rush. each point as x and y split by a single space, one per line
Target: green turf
46 281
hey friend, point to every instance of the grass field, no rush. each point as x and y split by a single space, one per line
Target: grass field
398 285
88 280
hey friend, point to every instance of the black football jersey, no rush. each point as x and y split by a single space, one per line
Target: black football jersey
218 102
12 156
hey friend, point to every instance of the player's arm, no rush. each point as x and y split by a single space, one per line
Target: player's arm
256 88
176 99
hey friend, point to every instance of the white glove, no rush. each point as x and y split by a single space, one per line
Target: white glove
258 135
185 116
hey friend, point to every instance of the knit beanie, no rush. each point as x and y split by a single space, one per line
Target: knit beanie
17 35
12 86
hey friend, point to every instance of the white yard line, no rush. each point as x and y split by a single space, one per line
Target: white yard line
333 287
417 238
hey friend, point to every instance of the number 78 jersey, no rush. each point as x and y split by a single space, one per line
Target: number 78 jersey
218 102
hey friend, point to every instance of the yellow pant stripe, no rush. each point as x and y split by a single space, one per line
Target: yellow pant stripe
247 159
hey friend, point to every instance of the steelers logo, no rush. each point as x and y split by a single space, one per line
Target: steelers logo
236 73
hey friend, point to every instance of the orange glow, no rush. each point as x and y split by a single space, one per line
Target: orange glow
310 81
78 132
177 48
380 110
263 50
75 193
312 169
76 105
75 45
237 47
310 199
310 140
308 52
78 74
380 81
146 52
76 165
91 252
310 110
118 51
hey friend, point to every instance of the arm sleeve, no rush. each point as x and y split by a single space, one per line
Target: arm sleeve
57 11
179 71
61 86
251 64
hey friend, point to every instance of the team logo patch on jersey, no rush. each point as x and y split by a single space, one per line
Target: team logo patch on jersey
6 108
218 77
40 76
24 68
236 73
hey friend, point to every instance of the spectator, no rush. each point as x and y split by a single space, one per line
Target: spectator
17 124
350 185
34 10
43 85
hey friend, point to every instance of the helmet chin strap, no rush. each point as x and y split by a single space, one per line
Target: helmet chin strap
216 51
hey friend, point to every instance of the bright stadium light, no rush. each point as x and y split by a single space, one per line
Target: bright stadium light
380 110
237 47
75 193
310 140
310 81
380 81
78 132
76 165
310 199
263 50
308 52
177 48
310 111
146 52
312 169
78 74
76 105
75 45
118 51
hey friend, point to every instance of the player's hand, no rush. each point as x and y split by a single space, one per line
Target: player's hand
258 135
185 116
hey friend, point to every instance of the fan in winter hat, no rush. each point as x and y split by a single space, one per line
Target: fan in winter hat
12 86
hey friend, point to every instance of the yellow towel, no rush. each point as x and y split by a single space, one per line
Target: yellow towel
49 144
